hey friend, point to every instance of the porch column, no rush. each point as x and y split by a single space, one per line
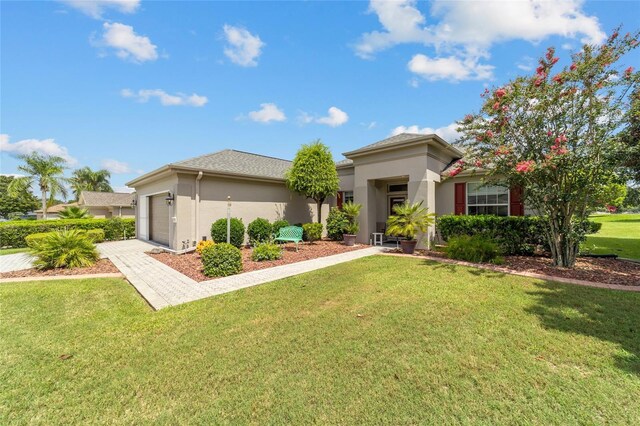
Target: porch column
423 189
365 194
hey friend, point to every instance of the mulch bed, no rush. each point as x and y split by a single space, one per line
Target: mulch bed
599 270
102 266
190 264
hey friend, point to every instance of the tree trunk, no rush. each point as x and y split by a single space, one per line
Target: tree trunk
564 247
44 204
319 204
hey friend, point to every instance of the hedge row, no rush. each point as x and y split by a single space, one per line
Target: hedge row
12 234
514 234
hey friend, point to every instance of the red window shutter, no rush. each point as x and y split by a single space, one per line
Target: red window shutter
516 206
460 198
340 199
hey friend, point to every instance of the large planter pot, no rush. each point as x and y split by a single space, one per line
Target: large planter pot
349 239
408 246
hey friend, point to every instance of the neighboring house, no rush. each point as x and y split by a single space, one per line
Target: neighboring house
99 204
108 204
178 202
52 211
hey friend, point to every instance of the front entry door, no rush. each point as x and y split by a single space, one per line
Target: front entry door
395 200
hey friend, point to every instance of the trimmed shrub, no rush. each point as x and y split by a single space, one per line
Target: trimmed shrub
473 249
13 234
203 244
337 223
219 231
259 230
277 225
221 260
313 231
64 249
513 234
266 251
96 235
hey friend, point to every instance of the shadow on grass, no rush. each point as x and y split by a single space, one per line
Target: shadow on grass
604 314
457 268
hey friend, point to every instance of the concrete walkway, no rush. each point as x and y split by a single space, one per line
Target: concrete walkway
163 286
15 262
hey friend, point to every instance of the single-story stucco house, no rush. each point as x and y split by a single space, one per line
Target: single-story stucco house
101 205
177 203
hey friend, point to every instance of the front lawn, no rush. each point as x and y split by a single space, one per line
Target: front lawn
378 340
620 234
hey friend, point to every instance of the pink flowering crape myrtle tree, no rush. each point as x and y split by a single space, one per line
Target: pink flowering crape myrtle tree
553 134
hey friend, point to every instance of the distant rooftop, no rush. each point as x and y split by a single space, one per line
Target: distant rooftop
98 199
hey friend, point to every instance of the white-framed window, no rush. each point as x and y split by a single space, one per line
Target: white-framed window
487 199
347 197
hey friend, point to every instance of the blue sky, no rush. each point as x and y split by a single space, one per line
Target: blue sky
131 85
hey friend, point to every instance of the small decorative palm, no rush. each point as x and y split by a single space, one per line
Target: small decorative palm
409 220
74 212
352 211
65 249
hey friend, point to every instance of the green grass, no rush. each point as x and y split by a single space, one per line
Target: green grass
13 250
379 340
620 234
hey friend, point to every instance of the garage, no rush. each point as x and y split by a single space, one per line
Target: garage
159 219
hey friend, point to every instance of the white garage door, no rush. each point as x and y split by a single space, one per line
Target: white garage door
159 219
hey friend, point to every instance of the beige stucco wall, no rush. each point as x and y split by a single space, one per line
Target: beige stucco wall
419 166
250 200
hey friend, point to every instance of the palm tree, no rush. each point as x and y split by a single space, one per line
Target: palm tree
85 179
74 212
409 219
45 171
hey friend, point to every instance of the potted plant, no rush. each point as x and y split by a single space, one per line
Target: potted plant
352 211
407 222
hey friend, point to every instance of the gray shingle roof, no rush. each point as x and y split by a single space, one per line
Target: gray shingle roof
97 199
238 163
402 137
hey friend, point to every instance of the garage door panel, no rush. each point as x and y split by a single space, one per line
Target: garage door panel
159 219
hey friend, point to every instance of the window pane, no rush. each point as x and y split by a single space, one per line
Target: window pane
472 187
481 199
491 210
473 210
401 187
503 199
492 199
472 199
503 211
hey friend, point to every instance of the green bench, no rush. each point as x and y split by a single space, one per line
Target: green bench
291 234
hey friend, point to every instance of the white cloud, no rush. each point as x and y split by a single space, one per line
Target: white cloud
336 117
243 47
268 112
28 146
116 167
449 68
567 46
165 98
95 8
449 133
466 30
128 44
526 64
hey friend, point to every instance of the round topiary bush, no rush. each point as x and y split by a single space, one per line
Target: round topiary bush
259 231
277 225
266 251
219 231
337 223
221 260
